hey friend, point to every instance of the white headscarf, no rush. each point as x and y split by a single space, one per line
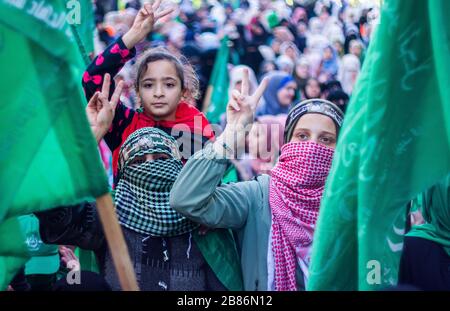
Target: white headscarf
349 71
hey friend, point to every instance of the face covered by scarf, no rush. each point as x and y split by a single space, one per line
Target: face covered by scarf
296 188
142 193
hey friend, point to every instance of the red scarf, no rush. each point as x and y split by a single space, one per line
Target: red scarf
296 188
186 116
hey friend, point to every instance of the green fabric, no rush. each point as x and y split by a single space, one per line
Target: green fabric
230 175
20 237
435 210
87 259
218 84
394 143
48 154
272 20
9 265
219 249
417 203
84 31
45 257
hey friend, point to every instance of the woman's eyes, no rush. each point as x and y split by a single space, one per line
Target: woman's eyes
327 140
147 85
302 136
170 85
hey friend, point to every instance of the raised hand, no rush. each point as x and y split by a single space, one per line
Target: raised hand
242 106
144 22
241 110
100 111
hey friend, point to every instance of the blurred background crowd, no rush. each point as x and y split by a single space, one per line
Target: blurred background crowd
310 48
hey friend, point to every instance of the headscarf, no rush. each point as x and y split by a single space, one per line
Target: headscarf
288 44
301 82
350 65
331 66
295 192
237 74
270 104
285 64
143 189
186 117
298 15
319 106
436 213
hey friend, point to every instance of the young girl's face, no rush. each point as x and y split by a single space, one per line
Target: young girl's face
160 90
312 89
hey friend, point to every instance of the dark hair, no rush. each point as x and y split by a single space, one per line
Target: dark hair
306 84
339 98
185 71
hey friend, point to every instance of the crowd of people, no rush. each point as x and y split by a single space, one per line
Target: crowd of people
188 226
312 50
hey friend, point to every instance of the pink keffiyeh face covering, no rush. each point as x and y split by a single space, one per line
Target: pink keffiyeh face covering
296 188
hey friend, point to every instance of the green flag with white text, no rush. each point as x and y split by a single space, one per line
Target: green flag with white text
48 156
394 144
84 26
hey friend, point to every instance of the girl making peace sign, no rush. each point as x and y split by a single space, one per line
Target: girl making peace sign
274 216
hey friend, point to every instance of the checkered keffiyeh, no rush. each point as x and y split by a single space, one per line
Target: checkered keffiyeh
143 190
296 187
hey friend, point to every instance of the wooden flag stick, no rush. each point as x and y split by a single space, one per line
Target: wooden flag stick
116 243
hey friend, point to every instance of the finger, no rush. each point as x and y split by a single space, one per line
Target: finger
164 13
234 102
239 98
147 9
156 5
260 90
116 96
93 101
234 105
245 83
101 102
106 84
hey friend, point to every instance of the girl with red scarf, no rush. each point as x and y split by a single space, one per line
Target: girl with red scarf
166 87
274 216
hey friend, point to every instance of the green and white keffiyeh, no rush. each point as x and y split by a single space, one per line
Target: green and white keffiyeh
143 190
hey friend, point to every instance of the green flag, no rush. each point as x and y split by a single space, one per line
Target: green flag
216 98
48 156
394 143
84 28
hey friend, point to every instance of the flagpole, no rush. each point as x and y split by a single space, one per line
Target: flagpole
116 243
